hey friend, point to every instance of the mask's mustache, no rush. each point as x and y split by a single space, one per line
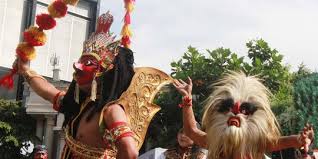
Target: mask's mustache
233 137
235 128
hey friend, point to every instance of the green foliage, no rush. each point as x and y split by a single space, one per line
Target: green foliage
267 63
204 71
283 102
165 125
302 72
306 101
16 129
283 107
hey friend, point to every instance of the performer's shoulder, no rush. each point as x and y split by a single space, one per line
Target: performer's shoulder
113 106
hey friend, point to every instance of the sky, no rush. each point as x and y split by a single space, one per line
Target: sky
163 29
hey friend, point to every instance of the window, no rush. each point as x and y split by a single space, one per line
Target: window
65 41
11 24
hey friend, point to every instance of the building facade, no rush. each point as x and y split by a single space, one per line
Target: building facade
63 47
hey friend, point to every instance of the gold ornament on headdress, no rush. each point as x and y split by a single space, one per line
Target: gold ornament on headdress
101 44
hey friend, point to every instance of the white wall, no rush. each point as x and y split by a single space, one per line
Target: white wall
11 21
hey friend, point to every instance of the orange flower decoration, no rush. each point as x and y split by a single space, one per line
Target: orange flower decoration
57 9
25 51
34 36
45 21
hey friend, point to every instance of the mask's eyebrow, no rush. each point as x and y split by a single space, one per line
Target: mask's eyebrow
94 62
249 107
225 104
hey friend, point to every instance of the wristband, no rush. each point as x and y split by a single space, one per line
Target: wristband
186 102
56 103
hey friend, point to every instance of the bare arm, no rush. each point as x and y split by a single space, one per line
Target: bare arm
285 142
189 122
126 145
304 139
41 87
190 128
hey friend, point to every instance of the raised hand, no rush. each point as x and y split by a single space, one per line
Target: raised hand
185 89
20 66
306 138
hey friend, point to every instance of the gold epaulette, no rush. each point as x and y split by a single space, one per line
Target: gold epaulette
137 99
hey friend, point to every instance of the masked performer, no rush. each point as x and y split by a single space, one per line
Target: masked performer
108 106
238 122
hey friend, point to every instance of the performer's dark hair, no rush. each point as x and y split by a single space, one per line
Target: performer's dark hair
112 84
68 106
117 80
195 149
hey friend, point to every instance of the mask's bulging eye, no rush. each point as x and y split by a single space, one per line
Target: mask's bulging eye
247 108
225 105
88 63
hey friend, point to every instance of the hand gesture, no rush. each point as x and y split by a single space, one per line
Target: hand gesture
185 89
306 138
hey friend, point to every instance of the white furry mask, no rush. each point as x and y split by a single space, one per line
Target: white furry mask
238 119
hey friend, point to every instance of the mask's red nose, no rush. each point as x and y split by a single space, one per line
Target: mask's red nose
236 108
78 66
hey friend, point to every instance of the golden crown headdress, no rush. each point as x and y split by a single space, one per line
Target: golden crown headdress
102 44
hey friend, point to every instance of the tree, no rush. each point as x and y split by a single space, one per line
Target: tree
267 63
16 129
306 102
302 72
283 103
